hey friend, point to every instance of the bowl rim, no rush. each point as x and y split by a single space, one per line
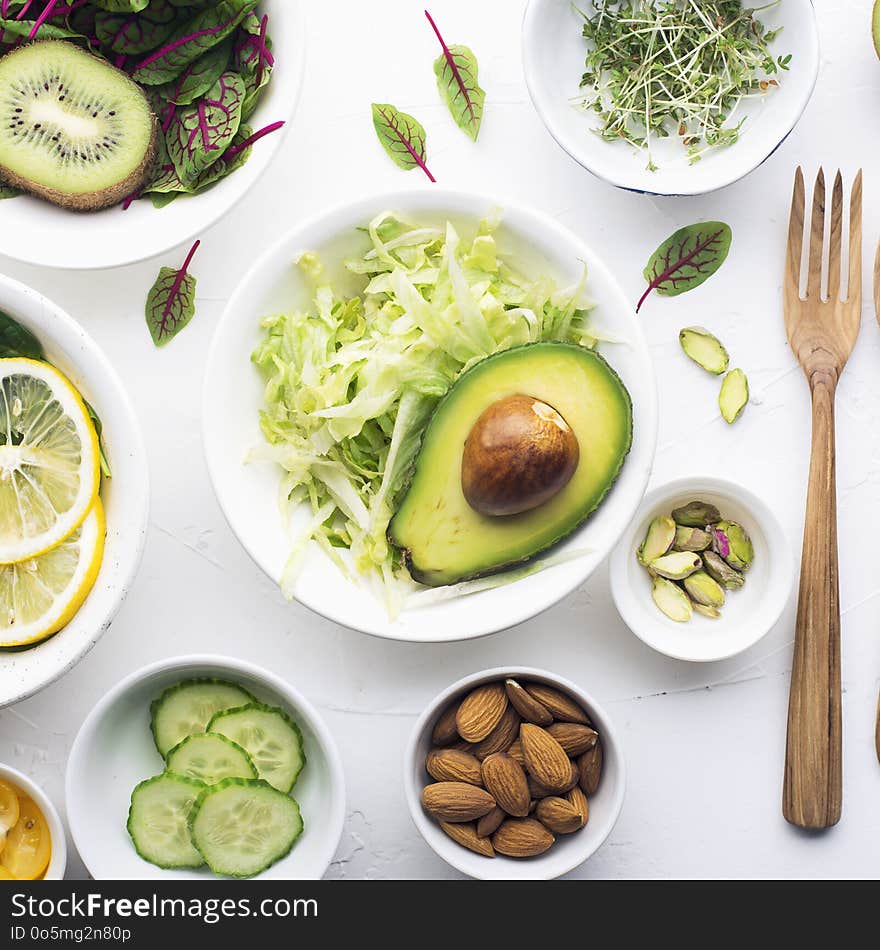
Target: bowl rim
192 661
771 526
532 16
58 860
416 200
188 231
610 739
69 335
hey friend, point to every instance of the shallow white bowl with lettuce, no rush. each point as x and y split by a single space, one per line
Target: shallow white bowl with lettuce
290 314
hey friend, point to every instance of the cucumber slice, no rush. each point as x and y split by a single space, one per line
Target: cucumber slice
269 736
209 758
158 820
186 709
243 826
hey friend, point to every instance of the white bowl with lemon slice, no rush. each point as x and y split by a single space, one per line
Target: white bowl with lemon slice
70 539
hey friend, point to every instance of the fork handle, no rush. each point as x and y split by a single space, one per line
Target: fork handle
812 792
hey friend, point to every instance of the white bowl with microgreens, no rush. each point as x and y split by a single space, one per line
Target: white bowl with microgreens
748 613
38 232
599 124
116 750
34 660
313 508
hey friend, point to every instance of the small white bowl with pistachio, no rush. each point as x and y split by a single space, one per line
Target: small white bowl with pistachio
704 570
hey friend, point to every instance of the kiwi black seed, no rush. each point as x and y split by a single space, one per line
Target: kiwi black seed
74 129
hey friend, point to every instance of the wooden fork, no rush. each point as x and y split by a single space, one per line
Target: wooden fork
822 331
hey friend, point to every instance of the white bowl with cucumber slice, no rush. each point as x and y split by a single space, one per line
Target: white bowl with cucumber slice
210 744
40 233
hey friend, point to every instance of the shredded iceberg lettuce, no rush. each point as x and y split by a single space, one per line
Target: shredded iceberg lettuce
352 381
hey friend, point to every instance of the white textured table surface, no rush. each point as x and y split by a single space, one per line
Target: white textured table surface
704 744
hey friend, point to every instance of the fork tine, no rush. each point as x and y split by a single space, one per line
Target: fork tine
817 237
854 287
795 236
835 239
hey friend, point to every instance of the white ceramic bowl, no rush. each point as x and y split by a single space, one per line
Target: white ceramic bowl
37 232
569 851
749 613
126 495
233 396
553 57
114 751
58 861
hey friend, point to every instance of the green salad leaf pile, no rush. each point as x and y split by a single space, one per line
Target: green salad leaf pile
352 380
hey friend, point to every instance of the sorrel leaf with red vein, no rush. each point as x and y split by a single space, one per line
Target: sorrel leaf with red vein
402 137
200 133
198 77
205 30
687 259
457 71
136 33
123 6
171 302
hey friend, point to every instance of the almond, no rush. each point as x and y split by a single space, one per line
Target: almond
466 835
456 801
578 801
537 790
558 815
450 765
562 707
522 838
573 737
501 737
489 823
445 732
507 784
527 706
545 758
590 767
480 712
515 752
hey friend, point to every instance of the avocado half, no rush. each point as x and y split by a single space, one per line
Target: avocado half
443 539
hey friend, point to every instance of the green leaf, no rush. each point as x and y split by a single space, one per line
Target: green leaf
8 191
106 471
171 302
200 133
204 31
457 70
198 77
17 341
687 259
122 6
402 137
135 33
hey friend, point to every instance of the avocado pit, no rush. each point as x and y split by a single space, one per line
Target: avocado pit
520 453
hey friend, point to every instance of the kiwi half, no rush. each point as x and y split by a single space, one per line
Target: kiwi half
73 129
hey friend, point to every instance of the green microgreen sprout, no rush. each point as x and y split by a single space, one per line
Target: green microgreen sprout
657 68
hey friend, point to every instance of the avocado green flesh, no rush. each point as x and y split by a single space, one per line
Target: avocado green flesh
445 540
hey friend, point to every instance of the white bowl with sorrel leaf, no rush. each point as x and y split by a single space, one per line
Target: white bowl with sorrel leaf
38 232
255 480
609 138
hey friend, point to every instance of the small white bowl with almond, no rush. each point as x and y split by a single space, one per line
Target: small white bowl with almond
514 774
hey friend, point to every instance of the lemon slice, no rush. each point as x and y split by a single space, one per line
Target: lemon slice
49 459
39 596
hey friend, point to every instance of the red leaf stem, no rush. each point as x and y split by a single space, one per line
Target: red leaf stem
48 10
250 140
178 281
